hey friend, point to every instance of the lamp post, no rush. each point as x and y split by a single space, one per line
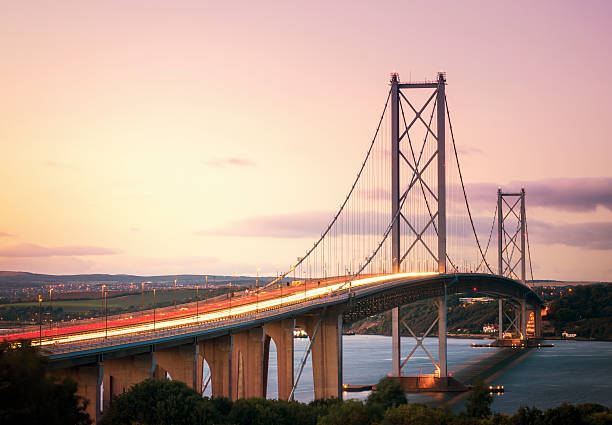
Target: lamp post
102 299
50 309
197 303
230 298
105 316
175 294
142 297
154 307
257 292
39 320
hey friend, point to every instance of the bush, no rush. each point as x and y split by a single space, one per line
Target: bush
478 402
161 402
349 412
28 395
415 414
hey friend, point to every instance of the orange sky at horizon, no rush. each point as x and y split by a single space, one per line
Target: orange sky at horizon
134 134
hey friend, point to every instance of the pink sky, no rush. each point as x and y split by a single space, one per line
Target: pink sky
134 134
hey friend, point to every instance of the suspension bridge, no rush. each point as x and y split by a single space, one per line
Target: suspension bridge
404 232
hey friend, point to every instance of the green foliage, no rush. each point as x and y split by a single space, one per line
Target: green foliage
29 396
161 402
415 414
350 412
565 414
258 411
388 393
585 311
478 402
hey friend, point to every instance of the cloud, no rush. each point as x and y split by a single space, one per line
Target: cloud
592 235
33 250
296 225
231 161
6 235
574 195
469 150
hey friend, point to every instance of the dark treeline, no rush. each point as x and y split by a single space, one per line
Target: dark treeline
585 311
164 402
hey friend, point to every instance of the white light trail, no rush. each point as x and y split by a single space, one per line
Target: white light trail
228 312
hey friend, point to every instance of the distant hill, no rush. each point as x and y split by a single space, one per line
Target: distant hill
12 279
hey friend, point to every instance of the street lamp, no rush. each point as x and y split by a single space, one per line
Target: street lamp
230 298
39 320
102 298
154 307
105 316
257 291
142 297
197 303
50 309
175 294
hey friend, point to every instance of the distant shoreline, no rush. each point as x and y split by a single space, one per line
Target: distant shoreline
481 336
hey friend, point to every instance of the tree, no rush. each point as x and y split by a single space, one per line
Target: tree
387 393
478 403
28 395
349 412
161 402
416 414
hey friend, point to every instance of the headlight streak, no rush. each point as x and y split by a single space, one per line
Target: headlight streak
227 312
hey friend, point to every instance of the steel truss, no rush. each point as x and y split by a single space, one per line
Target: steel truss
405 151
511 252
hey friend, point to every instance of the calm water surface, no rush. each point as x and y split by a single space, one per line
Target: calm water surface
572 371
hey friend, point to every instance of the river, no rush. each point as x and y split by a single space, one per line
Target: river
571 371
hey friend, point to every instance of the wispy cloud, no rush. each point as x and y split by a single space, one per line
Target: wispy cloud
296 225
593 235
6 235
230 161
469 150
33 250
574 195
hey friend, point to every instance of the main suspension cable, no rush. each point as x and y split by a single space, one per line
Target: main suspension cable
467 205
300 260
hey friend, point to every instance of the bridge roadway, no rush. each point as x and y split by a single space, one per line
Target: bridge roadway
233 335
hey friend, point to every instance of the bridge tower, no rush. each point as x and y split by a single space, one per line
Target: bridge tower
437 215
511 224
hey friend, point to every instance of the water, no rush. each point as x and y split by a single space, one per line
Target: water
572 371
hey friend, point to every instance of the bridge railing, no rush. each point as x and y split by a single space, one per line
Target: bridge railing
211 325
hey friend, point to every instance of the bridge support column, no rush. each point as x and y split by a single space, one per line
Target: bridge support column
396 356
524 318
247 364
281 333
89 381
326 352
121 374
538 321
442 336
181 363
217 353
500 321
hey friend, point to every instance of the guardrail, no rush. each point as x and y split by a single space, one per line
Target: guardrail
203 327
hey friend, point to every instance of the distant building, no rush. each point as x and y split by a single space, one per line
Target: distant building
489 328
564 334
